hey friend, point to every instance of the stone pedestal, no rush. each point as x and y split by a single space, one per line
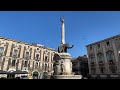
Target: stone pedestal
67 76
66 65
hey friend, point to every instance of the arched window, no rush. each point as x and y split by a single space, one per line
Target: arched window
35 75
27 56
1 50
15 52
92 58
37 57
100 57
110 55
36 65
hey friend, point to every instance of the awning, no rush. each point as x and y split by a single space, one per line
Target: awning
18 72
25 72
3 72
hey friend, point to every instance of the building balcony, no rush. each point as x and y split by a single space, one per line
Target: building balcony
1 54
14 56
92 64
101 63
27 58
112 62
37 59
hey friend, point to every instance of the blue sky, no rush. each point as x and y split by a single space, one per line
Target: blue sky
44 27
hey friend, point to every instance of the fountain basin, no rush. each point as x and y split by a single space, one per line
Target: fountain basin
67 77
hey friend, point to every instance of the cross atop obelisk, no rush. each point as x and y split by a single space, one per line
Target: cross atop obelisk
63 31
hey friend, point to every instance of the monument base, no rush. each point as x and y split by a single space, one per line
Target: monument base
67 77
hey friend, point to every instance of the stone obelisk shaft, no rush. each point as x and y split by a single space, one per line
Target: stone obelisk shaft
63 31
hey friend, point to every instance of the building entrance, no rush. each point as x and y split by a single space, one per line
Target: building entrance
35 75
10 76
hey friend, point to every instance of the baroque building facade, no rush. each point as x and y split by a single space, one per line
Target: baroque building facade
17 55
103 56
80 65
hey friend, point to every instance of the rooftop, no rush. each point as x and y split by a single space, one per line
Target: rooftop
33 44
104 40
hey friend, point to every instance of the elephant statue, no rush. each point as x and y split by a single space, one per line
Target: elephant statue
64 47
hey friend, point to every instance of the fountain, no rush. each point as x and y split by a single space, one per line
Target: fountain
62 61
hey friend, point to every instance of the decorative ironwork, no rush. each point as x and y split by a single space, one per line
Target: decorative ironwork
101 63
112 62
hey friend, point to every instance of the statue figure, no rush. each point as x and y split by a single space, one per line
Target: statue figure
62 20
63 48
62 66
57 67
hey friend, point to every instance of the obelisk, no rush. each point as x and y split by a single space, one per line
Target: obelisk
62 59
63 31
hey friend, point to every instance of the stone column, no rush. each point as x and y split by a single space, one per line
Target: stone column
88 60
106 62
21 52
50 56
31 65
97 65
116 56
32 53
41 58
5 64
63 31
9 49
20 64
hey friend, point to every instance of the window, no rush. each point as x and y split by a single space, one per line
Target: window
15 52
13 62
102 70
93 70
1 50
37 57
108 43
113 69
91 48
1 58
27 55
46 59
110 55
98 46
25 65
45 67
100 57
36 64
92 58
